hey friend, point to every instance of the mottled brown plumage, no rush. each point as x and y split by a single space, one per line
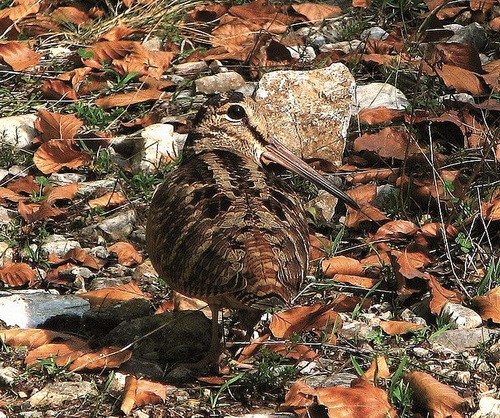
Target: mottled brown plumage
223 227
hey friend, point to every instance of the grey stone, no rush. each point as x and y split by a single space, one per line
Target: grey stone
59 52
66 178
472 34
308 111
457 97
459 316
248 89
337 379
332 31
119 226
18 131
312 36
190 68
8 375
375 95
375 32
55 394
59 245
219 83
83 272
89 187
301 53
29 309
460 340
160 145
344 46
489 407
5 217
3 174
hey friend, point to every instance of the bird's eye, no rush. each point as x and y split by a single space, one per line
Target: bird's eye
235 112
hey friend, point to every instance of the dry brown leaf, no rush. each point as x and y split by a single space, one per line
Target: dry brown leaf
21 10
17 274
70 14
439 400
399 327
364 195
378 370
366 282
58 89
441 295
317 12
302 318
410 262
107 200
7 194
491 210
361 3
489 305
54 155
388 143
32 338
127 254
435 230
463 81
26 184
126 99
454 54
373 174
294 351
79 255
362 399
57 126
66 192
208 12
112 295
140 392
260 12
18 55
34 212
317 247
119 32
379 115
395 229
106 52
342 265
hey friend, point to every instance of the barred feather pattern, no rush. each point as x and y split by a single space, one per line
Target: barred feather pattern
225 230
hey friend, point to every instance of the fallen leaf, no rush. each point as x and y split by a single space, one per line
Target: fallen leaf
126 99
65 192
399 327
112 295
127 254
7 194
395 229
366 282
26 184
379 115
410 262
107 200
378 370
140 392
491 210
463 81
435 230
303 318
441 295
54 155
318 246
32 338
489 305
58 89
117 33
317 12
57 126
70 14
297 352
388 143
21 10
81 256
342 265
34 212
17 274
18 55
438 399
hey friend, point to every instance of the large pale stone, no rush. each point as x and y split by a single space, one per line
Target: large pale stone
18 131
55 394
161 145
373 95
309 111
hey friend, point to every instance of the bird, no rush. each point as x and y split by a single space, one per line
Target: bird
224 227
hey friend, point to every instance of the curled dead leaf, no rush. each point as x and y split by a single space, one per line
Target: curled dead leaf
18 55
399 327
378 370
342 265
32 338
438 399
395 229
54 155
127 254
109 199
140 392
17 274
126 99
57 126
489 305
112 295
388 143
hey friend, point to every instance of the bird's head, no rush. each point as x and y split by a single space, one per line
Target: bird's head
234 123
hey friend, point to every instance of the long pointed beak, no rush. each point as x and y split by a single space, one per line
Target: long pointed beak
278 153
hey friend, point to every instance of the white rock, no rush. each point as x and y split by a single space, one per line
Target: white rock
160 145
92 186
60 179
59 245
301 53
3 174
119 226
459 316
376 32
375 95
59 51
190 68
458 97
344 46
5 218
7 253
8 375
219 83
309 111
29 309
55 394
488 408
18 131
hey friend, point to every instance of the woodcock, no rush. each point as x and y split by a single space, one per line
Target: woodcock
223 227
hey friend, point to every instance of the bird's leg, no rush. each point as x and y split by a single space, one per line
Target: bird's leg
248 320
